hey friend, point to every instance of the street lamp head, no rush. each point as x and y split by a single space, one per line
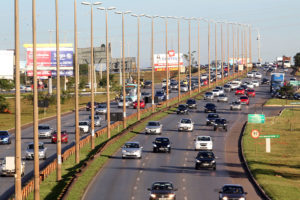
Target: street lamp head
134 15
85 3
127 12
162 17
97 3
111 8
101 8
118 12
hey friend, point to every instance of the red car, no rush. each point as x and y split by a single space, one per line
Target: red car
64 137
142 104
251 93
244 100
240 91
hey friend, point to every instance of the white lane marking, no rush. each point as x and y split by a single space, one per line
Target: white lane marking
183 180
135 187
184 165
141 171
185 198
138 179
184 188
132 198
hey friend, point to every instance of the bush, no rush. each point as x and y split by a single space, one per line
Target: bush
3 104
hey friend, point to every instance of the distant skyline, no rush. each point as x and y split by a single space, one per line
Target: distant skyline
277 21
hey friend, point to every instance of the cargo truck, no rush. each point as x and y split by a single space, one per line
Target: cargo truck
7 166
277 81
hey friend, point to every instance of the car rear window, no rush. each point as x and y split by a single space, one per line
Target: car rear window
153 124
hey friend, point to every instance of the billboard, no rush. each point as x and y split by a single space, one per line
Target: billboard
160 61
6 64
46 73
46 56
240 61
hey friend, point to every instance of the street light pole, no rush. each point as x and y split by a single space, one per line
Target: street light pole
167 68
18 178
190 57
228 65
222 52
199 67
233 58
208 22
246 47
216 53
250 45
123 61
107 69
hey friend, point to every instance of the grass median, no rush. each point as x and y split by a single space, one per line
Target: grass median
277 172
282 102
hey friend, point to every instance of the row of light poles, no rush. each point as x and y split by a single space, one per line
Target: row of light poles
18 187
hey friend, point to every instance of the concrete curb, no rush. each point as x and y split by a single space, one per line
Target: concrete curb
252 180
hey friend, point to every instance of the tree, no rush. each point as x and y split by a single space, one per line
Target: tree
187 58
6 84
297 60
3 104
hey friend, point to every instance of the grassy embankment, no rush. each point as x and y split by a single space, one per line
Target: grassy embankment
277 172
282 102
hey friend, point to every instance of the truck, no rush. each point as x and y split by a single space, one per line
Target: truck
286 61
7 166
277 81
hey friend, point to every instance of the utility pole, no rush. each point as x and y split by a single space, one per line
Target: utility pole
228 65
18 178
222 52
208 22
233 58
216 53
167 68
250 45
199 66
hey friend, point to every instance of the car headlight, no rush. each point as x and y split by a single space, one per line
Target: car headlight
198 161
213 161
147 129
123 151
153 195
154 145
168 145
5 139
171 195
242 198
225 198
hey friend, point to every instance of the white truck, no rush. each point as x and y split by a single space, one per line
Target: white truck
7 166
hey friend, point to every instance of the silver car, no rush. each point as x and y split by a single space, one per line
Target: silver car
132 150
30 151
45 131
223 98
153 127
97 120
209 95
236 105
101 109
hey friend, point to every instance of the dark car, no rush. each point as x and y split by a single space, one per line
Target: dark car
182 109
162 190
220 123
205 159
5 137
160 95
88 106
148 84
210 107
162 144
211 117
265 81
232 191
297 96
174 85
164 88
191 103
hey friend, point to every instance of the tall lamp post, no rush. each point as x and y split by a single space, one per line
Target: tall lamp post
107 68
258 45
199 65
208 23
92 74
123 61
228 53
216 52
152 58
138 65
250 45
222 51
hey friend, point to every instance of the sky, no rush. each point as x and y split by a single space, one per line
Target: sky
276 20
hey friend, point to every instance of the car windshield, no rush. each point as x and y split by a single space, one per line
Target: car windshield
132 145
161 140
203 138
159 93
233 190
153 124
44 127
244 98
95 117
236 103
162 186
250 90
222 95
205 155
220 121
226 86
3 133
181 106
186 121
83 123
191 101
208 93
31 146
210 105
240 89
213 115
102 106
216 90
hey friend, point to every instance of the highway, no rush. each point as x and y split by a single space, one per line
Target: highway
130 178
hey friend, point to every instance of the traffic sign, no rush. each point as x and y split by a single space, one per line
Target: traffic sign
269 136
256 118
295 83
255 134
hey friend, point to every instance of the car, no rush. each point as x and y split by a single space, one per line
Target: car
29 155
227 88
174 86
164 82
28 88
88 106
142 104
250 74
205 159
45 131
64 137
216 92
220 123
184 88
293 79
203 143
132 150
249 84
265 81
146 95
191 103
160 95
84 126
211 117
185 125
162 190
97 120
209 95
203 76
232 191
221 89
128 102
250 93
161 144
223 98
164 88
297 96
255 83
147 84
182 109
234 85
237 81
244 100
101 109
210 107
258 75
236 105
240 91
5 137
153 127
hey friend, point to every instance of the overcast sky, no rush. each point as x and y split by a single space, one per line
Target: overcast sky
277 21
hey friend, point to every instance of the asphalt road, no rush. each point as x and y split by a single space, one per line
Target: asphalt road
130 178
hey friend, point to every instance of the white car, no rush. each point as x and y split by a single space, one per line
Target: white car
84 126
45 131
97 120
203 76
258 75
164 83
128 102
221 90
132 150
223 98
185 125
28 89
209 95
153 127
250 74
184 88
203 143
255 83
101 109
216 92
249 85
30 151
237 81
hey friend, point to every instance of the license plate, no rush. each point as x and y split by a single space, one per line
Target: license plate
161 148
205 164
162 199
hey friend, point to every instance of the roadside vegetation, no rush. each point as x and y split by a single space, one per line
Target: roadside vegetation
277 172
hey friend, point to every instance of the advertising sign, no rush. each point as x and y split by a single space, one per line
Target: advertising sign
160 61
47 73
256 118
277 77
269 136
7 64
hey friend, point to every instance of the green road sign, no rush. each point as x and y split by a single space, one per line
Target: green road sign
269 136
295 103
295 83
256 118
